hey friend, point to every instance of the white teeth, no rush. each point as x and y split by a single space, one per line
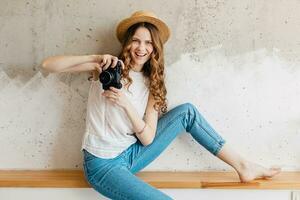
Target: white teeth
140 55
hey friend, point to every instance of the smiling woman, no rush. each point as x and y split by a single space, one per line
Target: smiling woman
141 48
128 128
143 52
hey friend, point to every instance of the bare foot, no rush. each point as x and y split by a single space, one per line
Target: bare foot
251 171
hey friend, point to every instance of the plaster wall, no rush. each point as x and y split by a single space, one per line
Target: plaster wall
237 61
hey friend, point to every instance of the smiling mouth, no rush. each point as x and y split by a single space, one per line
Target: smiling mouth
140 55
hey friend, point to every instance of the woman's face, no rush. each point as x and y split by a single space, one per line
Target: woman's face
141 48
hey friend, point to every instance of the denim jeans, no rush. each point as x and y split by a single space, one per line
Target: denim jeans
115 179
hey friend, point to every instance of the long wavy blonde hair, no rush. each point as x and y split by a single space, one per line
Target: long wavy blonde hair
153 69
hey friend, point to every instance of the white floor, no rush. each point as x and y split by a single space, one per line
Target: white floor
180 194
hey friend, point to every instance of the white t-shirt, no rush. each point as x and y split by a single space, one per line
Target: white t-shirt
109 131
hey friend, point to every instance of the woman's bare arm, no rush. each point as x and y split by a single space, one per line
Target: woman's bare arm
79 63
148 125
71 63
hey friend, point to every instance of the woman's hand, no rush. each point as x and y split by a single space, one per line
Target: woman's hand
116 96
105 61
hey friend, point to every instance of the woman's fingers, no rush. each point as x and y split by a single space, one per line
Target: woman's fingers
107 64
108 61
98 68
103 62
110 94
116 96
113 89
115 61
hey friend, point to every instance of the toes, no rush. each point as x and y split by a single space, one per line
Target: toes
272 172
276 168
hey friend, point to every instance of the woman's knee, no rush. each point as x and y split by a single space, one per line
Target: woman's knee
189 107
191 114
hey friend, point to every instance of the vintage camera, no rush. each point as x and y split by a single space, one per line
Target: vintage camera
111 77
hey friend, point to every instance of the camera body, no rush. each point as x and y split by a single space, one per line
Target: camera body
111 77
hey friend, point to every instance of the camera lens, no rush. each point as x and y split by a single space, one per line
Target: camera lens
105 77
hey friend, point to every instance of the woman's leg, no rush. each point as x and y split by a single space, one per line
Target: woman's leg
186 117
182 118
246 170
111 178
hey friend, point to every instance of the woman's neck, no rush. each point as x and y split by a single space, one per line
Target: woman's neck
137 68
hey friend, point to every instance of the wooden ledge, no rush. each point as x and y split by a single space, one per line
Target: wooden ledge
75 179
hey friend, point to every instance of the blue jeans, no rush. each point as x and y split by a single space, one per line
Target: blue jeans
115 179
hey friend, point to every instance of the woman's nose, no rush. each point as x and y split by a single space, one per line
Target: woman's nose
141 46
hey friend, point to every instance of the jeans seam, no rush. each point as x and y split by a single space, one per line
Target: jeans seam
106 188
90 178
86 174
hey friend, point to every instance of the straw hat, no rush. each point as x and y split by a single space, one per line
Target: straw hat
143 16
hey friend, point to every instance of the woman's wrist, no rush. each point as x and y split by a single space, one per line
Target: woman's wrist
95 58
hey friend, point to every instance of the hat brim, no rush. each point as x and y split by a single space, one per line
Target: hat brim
124 25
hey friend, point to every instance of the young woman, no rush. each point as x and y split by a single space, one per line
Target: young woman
127 128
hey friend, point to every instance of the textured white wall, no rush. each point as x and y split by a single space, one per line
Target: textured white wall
237 61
